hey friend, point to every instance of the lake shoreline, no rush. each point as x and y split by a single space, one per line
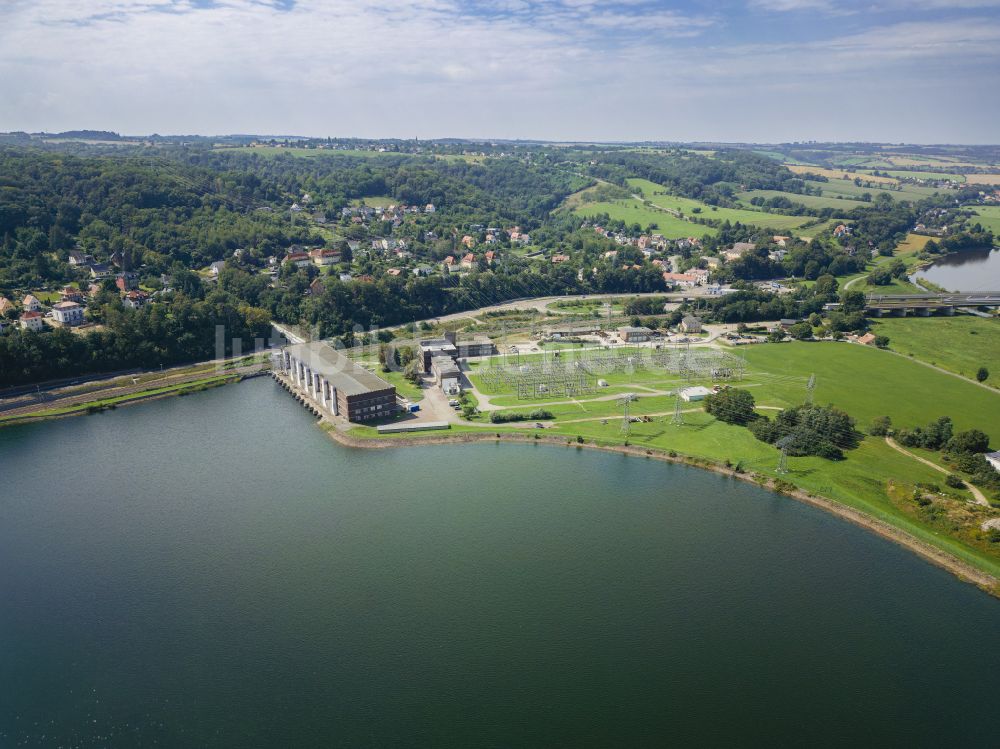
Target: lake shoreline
929 553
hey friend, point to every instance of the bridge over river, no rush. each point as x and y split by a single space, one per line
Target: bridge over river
925 304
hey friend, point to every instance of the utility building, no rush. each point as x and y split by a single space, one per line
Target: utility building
341 386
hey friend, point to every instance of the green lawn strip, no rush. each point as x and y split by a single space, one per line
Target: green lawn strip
960 344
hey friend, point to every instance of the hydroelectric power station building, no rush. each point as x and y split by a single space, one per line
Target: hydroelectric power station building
338 384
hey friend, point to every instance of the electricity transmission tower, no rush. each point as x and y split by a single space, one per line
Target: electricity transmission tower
783 443
625 401
810 389
678 414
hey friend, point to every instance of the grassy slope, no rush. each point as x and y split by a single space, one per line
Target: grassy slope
659 195
810 201
960 344
989 217
631 211
868 383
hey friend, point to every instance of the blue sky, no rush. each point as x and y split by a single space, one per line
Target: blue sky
734 70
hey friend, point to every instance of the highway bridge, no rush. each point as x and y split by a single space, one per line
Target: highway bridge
926 304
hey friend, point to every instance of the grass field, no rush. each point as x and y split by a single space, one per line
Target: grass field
809 201
659 196
913 243
989 216
868 383
960 344
847 188
837 174
632 211
375 201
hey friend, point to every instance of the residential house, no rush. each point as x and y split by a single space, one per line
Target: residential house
100 271
394 272
5 305
490 257
216 268
299 259
68 294
468 260
429 208
323 256
80 259
468 241
868 339
32 321
317 286
127 281
30 303
68 313
559 259
136 299
780 240
738 250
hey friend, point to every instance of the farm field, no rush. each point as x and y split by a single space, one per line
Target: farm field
955 177
982 179
960 344
989 217
836 174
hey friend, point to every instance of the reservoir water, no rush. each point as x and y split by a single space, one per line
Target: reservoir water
213 571
971 270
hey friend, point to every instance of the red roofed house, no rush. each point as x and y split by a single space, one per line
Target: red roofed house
32 321
560 258
31 303
136 299
469 260
681 279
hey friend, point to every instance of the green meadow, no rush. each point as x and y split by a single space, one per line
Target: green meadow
989 217
960 344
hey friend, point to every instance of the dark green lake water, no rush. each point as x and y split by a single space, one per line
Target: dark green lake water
214 571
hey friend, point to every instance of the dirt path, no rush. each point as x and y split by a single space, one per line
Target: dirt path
976 493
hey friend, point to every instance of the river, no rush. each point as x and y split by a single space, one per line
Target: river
971 270
212 570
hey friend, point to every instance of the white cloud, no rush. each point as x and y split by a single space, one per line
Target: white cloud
504 68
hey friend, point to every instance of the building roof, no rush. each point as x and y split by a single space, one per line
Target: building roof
633 329
691 320
445 366
30 315
30 299
66 306
348 377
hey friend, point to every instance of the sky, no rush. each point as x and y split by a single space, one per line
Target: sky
916 71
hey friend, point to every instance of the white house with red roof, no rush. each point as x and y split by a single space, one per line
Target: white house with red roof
32 321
